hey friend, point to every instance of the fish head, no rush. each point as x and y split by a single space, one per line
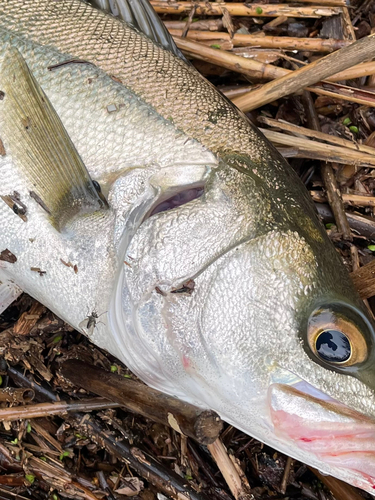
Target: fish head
256 320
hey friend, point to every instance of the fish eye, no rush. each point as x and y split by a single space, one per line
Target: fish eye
336 339
333 346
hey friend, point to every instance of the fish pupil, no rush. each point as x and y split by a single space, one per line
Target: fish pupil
333 346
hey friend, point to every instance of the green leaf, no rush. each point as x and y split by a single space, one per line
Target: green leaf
55 497
188 478
44 459
64 454
127 376
15 441
259 10
28 427
57 339
329 225
30 478
354 129
371 247
215 46
347 121
113 368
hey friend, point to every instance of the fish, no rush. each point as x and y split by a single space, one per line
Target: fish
145 210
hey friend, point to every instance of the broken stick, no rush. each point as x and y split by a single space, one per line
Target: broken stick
359 51
202 425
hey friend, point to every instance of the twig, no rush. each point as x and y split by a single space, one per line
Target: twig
202 24
356 199
48 409
321 136
188 22
228 470
230 61
269 42
333 3
142 463
242 9
284 481
328 175
335 200
259 70
357 52
202 425
306 148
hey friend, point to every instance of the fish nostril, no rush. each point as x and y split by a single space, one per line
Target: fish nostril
178 199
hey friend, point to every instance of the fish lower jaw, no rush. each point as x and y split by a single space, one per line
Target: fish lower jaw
325 434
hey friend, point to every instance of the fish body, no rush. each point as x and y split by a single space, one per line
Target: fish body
206 270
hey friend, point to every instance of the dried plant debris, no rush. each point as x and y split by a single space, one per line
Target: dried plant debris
58 440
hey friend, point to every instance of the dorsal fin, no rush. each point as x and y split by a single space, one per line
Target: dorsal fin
142 16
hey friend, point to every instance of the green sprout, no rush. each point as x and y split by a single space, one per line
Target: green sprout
259 10
30 478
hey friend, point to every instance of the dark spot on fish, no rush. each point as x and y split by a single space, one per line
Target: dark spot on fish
187 287
69 61
7 256
114 78
14 202
69 264
160 291
2 95
40 202
215 116
2 149
38 270
26 122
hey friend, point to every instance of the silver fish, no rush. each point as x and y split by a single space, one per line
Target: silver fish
141 195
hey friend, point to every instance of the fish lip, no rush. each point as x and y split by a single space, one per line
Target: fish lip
343 440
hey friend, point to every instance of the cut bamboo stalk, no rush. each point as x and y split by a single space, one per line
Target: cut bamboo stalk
242 9
355 53
320 150
314 134
268 42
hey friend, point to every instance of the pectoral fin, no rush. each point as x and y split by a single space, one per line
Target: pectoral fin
40 146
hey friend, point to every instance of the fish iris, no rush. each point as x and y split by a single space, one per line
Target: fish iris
333 346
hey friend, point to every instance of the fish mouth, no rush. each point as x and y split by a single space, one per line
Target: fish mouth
341 438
